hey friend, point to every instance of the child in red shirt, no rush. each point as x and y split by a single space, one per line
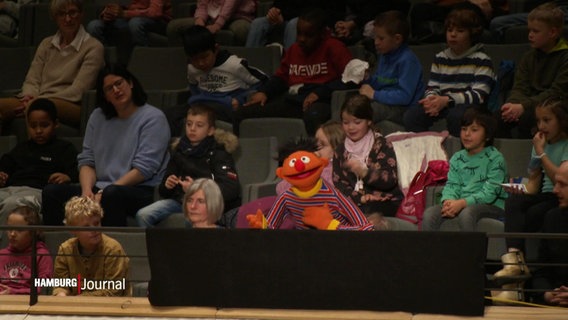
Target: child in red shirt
309 72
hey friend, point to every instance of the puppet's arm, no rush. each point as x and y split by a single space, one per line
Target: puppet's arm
257 221
320 218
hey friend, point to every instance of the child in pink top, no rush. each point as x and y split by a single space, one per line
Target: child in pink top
16 260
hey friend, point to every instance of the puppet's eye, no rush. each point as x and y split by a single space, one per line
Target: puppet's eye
305 159
292 162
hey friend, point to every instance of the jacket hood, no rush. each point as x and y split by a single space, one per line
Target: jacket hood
561 45
474 48
39 245
225 138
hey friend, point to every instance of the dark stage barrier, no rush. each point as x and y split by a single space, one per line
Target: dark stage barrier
418 272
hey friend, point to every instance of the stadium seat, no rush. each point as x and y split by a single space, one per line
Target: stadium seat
256 164
426 54
162 68
266 59
133 243
7 143
14 67
282 128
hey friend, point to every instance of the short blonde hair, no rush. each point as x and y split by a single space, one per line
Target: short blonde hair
213 198
334 133
548 13
78 207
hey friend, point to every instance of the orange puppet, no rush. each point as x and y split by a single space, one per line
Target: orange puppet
310 202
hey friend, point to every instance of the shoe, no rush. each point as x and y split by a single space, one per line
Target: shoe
515 266
511 292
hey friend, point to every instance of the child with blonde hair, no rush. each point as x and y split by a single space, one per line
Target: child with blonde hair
542 73
90 254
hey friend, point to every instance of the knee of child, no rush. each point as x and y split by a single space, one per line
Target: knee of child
136 24
94 26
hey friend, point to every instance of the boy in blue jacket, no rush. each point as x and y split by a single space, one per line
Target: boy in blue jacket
397 81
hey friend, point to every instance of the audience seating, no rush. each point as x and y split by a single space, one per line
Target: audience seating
386 127
224 125
266 59
40 26
165 78
283 129
76 141
520 34
162 72
513 150
159 68
14 66
8 42
358 52
517 153
7 143
426 54
256 164
18 127
133 243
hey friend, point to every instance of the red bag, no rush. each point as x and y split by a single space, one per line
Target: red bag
412 206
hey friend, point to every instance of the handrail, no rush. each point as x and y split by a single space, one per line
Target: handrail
34 294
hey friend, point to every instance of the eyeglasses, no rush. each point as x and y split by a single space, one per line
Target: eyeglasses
71 14
116 85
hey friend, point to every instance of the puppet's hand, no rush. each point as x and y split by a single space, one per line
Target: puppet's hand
257 221
320 218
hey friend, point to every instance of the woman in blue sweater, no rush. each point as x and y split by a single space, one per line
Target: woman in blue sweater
124 152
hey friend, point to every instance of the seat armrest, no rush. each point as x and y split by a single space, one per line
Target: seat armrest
433 194
338 97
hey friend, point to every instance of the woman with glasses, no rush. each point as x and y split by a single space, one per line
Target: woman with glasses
65 65
124 152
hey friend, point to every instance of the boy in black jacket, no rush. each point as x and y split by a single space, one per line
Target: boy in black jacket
32 164
203 152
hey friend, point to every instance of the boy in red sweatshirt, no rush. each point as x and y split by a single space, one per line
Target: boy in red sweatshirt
309 72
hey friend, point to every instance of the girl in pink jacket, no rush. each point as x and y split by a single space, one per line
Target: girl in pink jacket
16 260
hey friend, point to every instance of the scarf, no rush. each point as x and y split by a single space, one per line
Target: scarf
189 150
360 150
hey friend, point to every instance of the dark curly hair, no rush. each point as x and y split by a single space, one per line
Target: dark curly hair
296 144
482 117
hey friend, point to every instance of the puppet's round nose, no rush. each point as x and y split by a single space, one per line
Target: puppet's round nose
299 165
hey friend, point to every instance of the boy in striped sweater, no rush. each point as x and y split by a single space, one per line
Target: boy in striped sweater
461 75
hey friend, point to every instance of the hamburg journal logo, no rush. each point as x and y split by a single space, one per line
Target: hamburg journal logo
81 284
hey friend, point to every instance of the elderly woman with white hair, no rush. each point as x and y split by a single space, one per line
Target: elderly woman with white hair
203 204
